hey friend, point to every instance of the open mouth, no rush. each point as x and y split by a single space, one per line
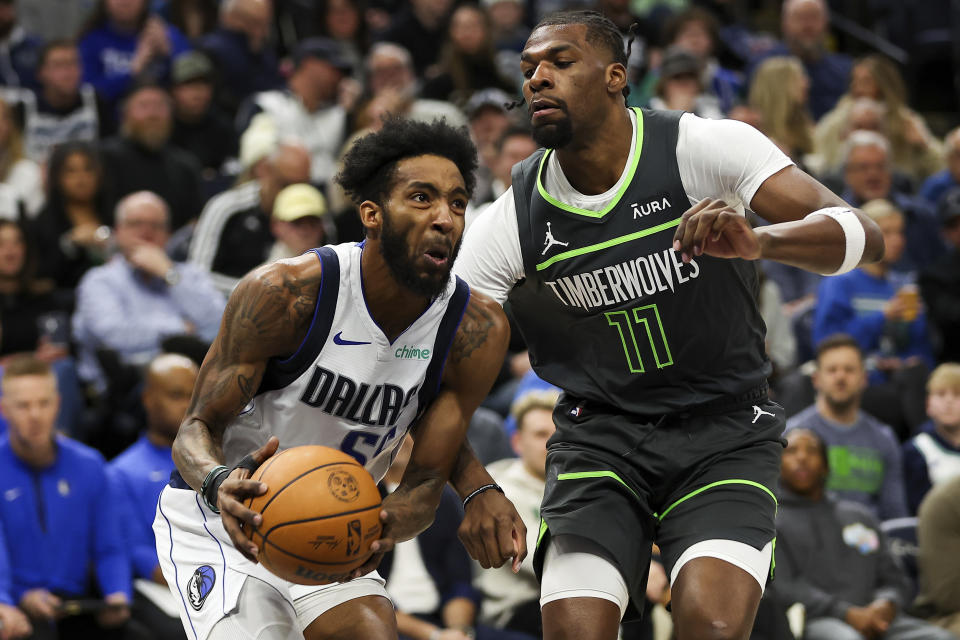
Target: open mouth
437 257
543 108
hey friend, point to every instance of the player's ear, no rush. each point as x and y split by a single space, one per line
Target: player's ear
616 77
371 216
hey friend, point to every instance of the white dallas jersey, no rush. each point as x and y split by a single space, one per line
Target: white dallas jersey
347 386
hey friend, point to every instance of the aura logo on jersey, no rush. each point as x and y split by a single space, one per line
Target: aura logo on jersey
200 585
359 402
654 206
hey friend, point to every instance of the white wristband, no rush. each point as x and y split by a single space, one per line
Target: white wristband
853 233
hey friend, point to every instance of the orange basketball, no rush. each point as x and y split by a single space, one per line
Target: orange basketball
321 513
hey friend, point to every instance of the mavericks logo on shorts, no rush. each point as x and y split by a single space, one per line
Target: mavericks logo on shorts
200 585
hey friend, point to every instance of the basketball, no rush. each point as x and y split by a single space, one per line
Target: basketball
321 513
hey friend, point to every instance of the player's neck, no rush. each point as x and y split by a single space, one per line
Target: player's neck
595 165
392 305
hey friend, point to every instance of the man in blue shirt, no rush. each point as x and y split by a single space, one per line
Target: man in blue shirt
140 473
58 515
939 183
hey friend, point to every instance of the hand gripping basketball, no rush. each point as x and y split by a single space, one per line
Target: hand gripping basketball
235 490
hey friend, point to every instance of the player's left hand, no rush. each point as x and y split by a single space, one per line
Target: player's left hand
403 517
493 532
714 228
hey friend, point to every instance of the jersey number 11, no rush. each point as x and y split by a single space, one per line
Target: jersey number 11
649 318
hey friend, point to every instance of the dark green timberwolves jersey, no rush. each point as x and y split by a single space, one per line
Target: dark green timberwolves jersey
608 310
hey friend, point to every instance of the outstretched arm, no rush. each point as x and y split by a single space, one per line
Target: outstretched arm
267 316
475 359
785 199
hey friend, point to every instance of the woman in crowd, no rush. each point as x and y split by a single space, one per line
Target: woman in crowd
21 175
72 230
779 94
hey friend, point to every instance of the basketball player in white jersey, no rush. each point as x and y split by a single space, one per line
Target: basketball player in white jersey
351 347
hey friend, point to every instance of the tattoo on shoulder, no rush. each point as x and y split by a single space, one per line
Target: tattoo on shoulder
280 302
474 329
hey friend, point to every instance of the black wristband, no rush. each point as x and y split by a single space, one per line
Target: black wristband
211 485
478 491
247 462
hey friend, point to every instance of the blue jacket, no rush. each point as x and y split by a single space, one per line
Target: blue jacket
242 72
139 475
107 54
19 56
937 185
916 471
59 522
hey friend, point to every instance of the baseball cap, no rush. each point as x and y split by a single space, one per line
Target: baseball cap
322 49
949 207
299 201
678 62
191 66
487 98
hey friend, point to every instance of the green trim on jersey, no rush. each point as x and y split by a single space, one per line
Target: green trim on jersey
580 475
543 530
612 242
773 557
719 483
632 169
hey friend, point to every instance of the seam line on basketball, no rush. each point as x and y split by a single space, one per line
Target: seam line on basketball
305 473
305 520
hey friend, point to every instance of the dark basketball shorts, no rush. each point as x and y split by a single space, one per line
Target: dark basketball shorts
625 482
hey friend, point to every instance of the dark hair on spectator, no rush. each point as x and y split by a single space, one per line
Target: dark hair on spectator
837 341
369 165
53 45
679 21
178 13
821 445
99 17
56 199
25 365
25 278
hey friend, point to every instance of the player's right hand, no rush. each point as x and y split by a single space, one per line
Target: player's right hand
238 488
493 532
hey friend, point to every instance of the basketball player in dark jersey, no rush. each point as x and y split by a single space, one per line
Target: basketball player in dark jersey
629 266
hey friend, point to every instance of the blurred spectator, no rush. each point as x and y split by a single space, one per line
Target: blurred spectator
140 297
831 133
507 28
429 577
343 22
939 183
833 558
779 92
514 145
913 148
20 174
804 29
308 110
141 158
198 126
468 61
193 18
245 61
933 456
680 86
881 309
938 530
488 120
142 471
18 49
299 222
864 454
233 233
58 516
53 19
512 600
868 173
781 343
940 282
13 622
62 109
696 30
122 40
418 27
73 229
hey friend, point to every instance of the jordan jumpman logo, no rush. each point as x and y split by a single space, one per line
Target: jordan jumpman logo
757 412
549 241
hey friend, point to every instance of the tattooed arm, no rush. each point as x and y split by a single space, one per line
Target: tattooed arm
267 316
475 359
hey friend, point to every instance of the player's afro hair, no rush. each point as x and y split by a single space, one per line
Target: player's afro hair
368 167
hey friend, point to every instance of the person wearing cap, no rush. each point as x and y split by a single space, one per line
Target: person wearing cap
299 222
940 282
680 86
488 119
19 49
199 127
61 109
308 110
141 158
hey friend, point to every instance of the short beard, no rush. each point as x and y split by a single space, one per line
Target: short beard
842 406
395 252
555 135
153 138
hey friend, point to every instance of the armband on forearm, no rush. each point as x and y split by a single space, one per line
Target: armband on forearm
854 236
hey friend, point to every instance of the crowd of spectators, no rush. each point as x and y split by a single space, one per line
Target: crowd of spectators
154 151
